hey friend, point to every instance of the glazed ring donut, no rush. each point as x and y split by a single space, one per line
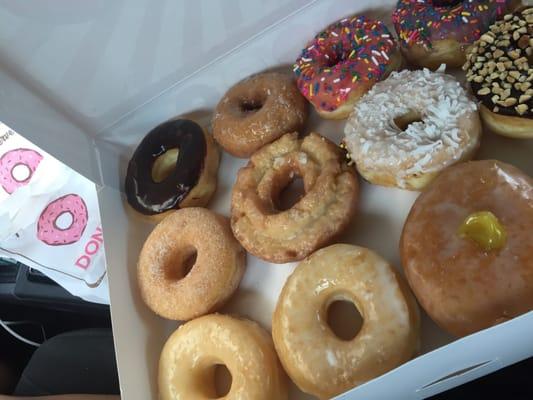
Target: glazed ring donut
500 71
435 32
191 354
327 207
410 127
466 246
257 111
317 360
47 230
174 166
11 159
166 286
342 63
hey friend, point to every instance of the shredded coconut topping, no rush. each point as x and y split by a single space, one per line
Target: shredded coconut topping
438 136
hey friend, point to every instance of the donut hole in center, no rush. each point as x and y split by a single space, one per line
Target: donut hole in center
290 194
222 381
344 319
64 221
21 172
446 3
164 165
403 121
250 106
180 264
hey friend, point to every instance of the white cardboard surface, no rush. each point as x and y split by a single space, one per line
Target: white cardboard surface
114 132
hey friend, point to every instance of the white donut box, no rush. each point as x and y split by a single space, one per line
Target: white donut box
87 80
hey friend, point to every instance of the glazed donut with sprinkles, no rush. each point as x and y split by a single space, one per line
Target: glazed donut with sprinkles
343 62
434 32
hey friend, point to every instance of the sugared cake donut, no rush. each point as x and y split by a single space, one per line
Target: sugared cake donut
190 357
500 71
174 166
435 32
329 202
257 111
466 246
410 127
342 63
317 360
190 264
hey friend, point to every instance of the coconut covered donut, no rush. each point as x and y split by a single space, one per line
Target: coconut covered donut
327 207
257 111
316 359
190 356
410 127
500 71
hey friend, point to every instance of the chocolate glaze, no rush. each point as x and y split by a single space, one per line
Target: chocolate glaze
149 197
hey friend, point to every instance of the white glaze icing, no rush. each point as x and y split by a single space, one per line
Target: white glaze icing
441 138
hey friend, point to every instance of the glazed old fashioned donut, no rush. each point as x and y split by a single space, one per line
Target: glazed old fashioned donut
257 111
190 356
190 236
13 158
174 166
500 71
48 230
410 127
342 63
466 246
435 32
319 362
327 207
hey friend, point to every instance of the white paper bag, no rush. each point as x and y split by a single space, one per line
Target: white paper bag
49 218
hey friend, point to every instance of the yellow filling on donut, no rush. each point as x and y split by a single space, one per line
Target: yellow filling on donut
485 229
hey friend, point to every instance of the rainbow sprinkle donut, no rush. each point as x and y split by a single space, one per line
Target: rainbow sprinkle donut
434 32
343 62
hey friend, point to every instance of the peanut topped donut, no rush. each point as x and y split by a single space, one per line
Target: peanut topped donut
342 63
466 246
316 359
411 126
435 32
257 111
500 71
329 202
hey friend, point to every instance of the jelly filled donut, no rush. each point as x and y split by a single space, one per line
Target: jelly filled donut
500 71
319 362
342 63
50 233
411 126
193 352
435 32
173 288
174 166
257 111
13 158
331 191
466 246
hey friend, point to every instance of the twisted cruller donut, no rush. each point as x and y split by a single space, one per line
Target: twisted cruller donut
329 202
443 127
317 360
191 354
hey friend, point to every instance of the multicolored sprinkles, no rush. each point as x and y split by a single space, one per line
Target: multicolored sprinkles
424 21
347 53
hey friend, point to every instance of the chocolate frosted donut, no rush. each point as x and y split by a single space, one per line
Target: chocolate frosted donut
174 166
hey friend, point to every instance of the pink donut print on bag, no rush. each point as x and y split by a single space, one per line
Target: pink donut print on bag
12 159
48 230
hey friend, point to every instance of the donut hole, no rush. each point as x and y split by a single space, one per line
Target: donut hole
250 106
181 263
403 121
446 3
21 172
222 381
164 165
64 221
290 194
344 319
